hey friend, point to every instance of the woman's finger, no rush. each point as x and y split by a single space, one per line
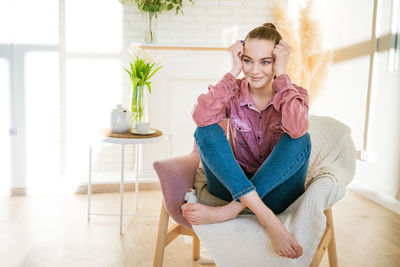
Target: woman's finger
281 42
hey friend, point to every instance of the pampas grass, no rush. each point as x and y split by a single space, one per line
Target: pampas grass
285 27
308 62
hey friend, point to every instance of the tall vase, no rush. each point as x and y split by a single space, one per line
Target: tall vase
138 104
151 25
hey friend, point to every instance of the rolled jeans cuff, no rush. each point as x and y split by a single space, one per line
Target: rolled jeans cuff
243 192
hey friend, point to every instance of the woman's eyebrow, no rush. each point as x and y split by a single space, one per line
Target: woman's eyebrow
260 59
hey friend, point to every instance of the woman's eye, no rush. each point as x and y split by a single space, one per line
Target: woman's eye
246 61
266 62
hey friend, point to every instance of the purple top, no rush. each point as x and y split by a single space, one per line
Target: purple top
253 133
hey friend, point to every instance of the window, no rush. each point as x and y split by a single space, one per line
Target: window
394 63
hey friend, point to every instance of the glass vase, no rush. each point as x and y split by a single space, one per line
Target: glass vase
138 104
150 35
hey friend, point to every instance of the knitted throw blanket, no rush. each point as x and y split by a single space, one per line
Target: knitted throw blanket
243 242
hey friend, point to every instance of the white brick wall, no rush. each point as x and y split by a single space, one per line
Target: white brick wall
206 22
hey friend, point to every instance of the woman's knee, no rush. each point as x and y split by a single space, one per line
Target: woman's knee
303 143
208 133
305 139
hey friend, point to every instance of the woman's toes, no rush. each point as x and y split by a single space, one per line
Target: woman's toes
187 215
293 253
299 250
187 207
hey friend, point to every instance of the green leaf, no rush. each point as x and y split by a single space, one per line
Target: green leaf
130 73
133 68
154 71
149 86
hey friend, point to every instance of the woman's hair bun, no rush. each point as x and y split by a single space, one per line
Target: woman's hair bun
269 25
267 32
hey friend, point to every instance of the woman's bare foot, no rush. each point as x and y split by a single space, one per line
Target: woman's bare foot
283 242
197 213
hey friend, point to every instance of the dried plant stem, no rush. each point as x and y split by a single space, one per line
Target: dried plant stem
308 62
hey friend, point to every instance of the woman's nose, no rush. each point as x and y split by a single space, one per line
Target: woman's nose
255 68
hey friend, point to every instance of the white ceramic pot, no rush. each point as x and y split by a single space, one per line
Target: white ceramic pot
120 120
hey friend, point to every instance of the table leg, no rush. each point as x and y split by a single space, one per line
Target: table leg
137 153
169 146
121 190
90 181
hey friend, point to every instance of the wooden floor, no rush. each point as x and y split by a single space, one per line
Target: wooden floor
54 231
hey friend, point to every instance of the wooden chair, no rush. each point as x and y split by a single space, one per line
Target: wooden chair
176 177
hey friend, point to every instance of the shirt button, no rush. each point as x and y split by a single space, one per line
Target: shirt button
261 156
260 117
234 90
249 105
258 137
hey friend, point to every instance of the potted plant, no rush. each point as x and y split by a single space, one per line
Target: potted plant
142 67
152 8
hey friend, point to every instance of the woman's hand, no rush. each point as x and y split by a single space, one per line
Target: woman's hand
281 54
236 51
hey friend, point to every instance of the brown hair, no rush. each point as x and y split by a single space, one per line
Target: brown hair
267 31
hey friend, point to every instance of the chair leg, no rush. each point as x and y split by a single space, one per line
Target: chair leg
161 237
327 242
332 254
196 248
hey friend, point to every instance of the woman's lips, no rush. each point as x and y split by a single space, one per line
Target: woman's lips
256 78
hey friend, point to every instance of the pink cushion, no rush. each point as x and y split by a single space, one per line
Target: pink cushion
176 177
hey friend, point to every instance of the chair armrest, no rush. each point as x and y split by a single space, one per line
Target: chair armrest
341 171
176 177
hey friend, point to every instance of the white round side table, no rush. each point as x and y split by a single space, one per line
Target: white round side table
126 139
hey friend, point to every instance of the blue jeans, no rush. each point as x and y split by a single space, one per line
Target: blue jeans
279 181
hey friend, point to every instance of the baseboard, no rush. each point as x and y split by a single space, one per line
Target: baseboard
18 191
378 197
115 188
99 188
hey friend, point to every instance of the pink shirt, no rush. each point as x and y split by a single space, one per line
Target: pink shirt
253 133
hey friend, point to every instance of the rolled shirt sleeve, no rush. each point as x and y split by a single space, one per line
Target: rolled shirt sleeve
292 102
213 106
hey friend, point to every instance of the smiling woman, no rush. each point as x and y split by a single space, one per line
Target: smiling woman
263 169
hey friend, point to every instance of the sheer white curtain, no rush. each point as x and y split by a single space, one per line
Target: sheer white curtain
93 84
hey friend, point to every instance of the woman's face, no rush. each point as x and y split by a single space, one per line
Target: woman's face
258 62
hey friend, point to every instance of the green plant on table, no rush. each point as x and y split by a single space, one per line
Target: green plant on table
142 67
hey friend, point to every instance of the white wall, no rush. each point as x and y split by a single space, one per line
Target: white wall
345 95
207 22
